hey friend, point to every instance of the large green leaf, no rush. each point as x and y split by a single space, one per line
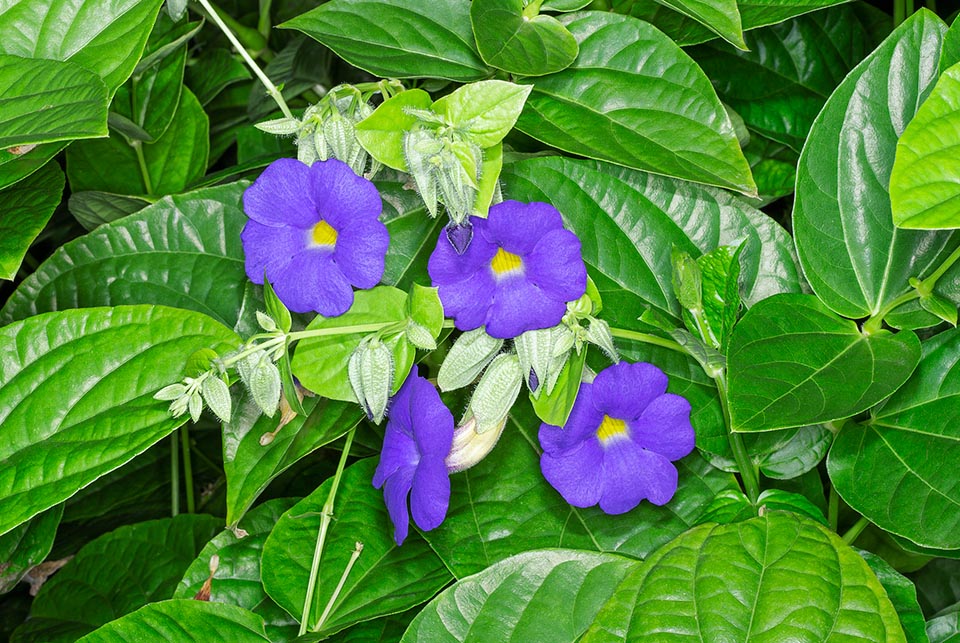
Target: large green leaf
923 188
183 251
250 466
25 208
945 628
76 396
170 164
116 574
779 86
884 468
92 209
856 261
183 621
793 362
635 98
778 577
27 545
510 40
938 585
237 577
902 594
49 100
398 38
17 163
105 36
503 506
627 222
385 579
547 596
719 16
215 70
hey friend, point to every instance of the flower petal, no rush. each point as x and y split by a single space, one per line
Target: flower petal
395 493
342 197
281 196
631 473
431 494
519 306
664 427
269 250
581 425
576 474
448 267
360 251
556 266
519 226
624 390
399 452
313 282
468 301
432 420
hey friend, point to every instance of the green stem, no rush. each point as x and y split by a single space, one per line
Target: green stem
856 530
833 509
909 8
339 588
174 475
928 284
899 12
931 5
263 25
646 338
187 468
138 148
748 473
267 83
325 517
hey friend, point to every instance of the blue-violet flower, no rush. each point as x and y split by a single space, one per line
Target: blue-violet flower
618 443
517 274
314 232
418 438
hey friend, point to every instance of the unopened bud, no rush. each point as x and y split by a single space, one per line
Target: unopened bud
470 447
460 236
598 334
217 396
371 375
542 354
279 126
497 391
419 336
467 358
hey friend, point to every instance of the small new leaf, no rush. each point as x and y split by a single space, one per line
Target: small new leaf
170 393
598 334
275 308
266 322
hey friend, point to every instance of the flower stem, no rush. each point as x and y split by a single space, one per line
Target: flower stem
339 588
855 530
267 83
646 338
174 475
187 468
748 473
325 517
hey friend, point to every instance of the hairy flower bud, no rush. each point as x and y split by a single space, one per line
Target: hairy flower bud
371 375
467 358
497 391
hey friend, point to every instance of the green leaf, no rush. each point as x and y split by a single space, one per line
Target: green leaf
884 469
777 499
92 209
97 586
216 69
950 55
519 599
515 42
27 545
503 506
719 16
938 585
782 454
17 163
184 251
627 222
554 408
25 209
105 36
398 38
780 85
150 99
425 308
485 112
182 621
250 466
902 594
388 629
381 133
644 104
941 307
944 629
320 363
751 581
854 258
173 162
793 362
923 190
405 576
76 396
49 101
774 167
564 5
237 578
720 270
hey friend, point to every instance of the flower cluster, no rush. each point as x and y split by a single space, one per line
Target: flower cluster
313 233
617 446
517 273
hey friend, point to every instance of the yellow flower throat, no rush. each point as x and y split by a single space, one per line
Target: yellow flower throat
504 262
323 234
611 429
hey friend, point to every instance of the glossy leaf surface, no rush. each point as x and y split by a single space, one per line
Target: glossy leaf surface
183 621
25 208
520 44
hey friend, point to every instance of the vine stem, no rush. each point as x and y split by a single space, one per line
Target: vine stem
325 517
142 162
267 83
174 475
339 588
748 473
187 468
855 530
833 509
646 338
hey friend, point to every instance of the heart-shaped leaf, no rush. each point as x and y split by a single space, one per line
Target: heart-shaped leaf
779 577
902 594
515 42
76 395
183 621
793 362
518 599
884 468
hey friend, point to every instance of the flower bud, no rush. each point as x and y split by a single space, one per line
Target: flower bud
467 358
217 396
470 447
371 375
497 391
419 336
262 378
598 334
541 352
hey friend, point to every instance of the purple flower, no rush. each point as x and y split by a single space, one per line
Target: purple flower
617 446
418 438
517 274
314 231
